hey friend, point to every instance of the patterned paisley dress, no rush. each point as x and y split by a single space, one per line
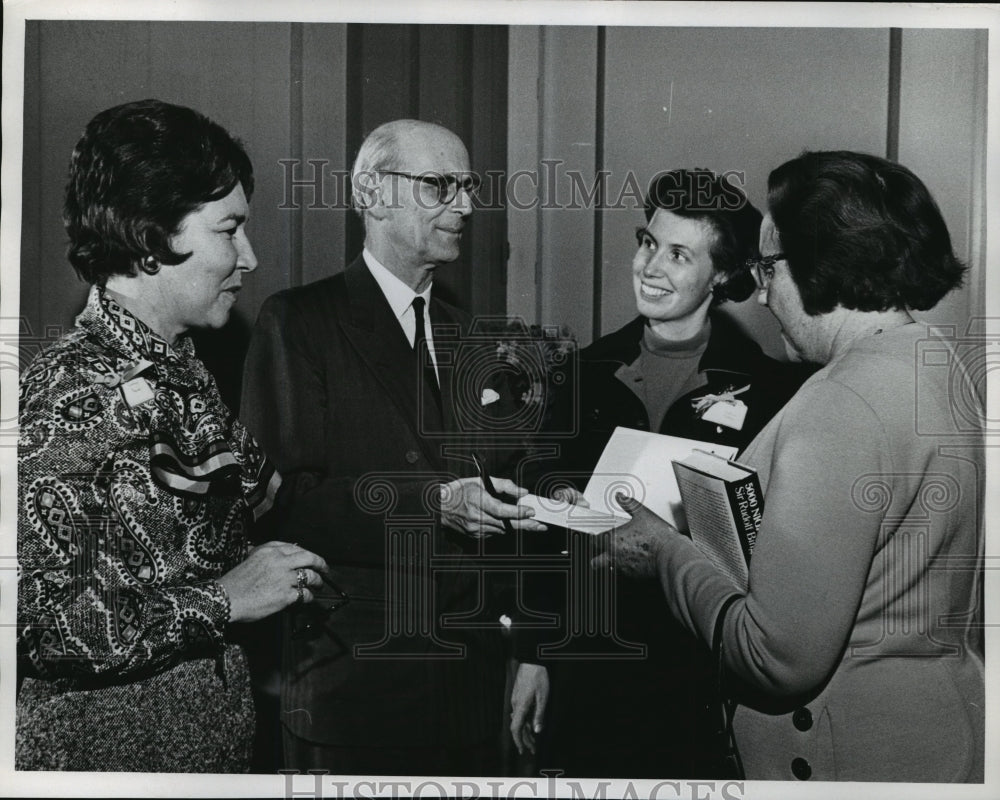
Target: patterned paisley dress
136 487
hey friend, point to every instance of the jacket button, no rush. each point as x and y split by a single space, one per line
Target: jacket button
801 769
802 719
412 456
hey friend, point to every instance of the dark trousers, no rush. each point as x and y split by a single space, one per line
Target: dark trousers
481 759
612 716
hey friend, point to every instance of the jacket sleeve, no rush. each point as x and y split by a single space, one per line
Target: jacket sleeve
813 554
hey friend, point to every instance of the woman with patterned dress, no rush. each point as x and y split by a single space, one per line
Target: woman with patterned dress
136 485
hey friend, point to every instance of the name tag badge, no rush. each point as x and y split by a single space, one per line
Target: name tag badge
137 391
731 414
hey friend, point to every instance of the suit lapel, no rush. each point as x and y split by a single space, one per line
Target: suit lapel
378 338
375 333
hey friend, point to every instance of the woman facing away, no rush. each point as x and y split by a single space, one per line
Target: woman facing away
855 652
136 485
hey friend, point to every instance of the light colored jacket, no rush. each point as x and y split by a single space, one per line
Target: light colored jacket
857 642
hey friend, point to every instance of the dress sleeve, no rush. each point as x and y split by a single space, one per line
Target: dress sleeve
93 551
813 553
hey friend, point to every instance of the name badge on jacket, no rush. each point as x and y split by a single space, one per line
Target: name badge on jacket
728 413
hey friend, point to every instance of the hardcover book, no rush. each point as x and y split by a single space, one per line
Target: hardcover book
723 504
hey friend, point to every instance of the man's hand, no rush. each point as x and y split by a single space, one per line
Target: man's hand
528 700
634 548
466 506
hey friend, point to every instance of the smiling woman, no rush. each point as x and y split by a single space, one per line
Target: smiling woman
673 273
136 486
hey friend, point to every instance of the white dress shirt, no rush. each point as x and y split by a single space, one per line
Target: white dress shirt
400 297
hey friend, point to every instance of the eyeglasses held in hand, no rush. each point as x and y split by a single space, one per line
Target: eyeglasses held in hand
308 621
762 269
444 187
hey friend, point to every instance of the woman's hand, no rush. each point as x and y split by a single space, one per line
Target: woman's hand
634 548
268 580
528 700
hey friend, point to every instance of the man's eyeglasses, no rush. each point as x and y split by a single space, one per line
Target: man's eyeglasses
444 187
762 269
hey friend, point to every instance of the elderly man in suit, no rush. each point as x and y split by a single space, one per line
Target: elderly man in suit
354 386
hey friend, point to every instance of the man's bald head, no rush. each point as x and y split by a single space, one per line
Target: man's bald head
396 146
414 189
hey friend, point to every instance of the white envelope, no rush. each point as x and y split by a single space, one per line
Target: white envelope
636 463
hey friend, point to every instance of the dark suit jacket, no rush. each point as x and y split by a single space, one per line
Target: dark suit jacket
332 392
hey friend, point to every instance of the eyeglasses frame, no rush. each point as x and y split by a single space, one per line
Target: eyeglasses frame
762 269
469 182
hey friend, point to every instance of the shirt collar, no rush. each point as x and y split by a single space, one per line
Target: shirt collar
399 295
120 330
654 343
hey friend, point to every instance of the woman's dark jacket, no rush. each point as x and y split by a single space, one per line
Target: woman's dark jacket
730 361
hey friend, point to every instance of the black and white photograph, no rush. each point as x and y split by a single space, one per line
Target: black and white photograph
511 399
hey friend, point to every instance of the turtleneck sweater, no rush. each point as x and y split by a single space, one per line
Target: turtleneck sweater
665 370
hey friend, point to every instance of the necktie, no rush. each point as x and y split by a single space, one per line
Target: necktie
420 348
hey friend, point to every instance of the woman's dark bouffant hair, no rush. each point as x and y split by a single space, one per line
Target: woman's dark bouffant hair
860 232
703 195
136 172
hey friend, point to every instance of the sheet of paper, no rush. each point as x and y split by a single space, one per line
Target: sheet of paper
567 515
638 464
